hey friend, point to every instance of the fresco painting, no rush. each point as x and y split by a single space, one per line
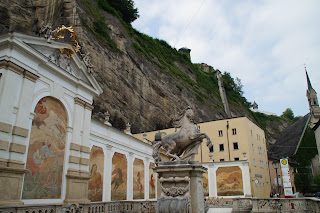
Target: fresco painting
229 181
46 151
205 184
138 179
95 186
152 182
119 177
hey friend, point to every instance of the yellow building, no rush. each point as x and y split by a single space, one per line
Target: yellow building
234 139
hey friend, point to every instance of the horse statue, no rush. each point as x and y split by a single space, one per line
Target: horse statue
186 141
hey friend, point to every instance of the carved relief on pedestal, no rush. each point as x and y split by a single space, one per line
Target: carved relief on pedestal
172 190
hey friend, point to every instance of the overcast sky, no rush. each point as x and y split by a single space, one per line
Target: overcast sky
264 43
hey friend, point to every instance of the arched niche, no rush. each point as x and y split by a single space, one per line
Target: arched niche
46 149
119 177
229 181
96 166
152 182
138 179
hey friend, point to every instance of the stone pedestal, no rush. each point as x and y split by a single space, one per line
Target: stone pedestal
11 186
77 187
181 187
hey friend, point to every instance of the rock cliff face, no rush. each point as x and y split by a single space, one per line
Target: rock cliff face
135 90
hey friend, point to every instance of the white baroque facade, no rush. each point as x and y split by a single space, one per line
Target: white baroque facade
34 74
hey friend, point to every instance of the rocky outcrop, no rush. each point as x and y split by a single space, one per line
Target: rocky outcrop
135 90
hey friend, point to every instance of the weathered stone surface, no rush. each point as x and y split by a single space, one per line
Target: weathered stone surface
135 90
181 187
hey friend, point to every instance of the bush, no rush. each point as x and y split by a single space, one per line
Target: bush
122 8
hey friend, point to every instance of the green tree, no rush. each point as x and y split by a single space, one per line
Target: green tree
125 7
306 152
288 113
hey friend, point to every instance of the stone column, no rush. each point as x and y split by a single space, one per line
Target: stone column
146 178
246 179
108 172
130 177
15 119
181 187
78 172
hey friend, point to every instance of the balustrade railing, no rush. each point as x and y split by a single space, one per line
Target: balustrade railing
275 205
95 207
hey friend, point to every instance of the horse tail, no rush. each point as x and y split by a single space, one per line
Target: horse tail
155 153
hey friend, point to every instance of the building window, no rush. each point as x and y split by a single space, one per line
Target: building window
234 131
221 147
220 133
253 147
221 160
211 149
254 162
236 159
251 132
235 146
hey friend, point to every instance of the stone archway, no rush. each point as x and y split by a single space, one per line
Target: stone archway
45 157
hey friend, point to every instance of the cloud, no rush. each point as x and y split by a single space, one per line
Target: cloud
264 43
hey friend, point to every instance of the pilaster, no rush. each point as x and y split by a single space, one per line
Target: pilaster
146 178
108 172
16 100
78 173
130 176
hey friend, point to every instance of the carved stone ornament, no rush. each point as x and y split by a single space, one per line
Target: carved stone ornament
107 118
173 190
62 60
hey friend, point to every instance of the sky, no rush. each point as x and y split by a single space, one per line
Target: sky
265 43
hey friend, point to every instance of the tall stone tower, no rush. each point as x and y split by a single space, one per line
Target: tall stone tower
223 94
313 102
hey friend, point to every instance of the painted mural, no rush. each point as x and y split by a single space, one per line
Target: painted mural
46 151
119 177
95 186
205 184
152 182
138 179
229 181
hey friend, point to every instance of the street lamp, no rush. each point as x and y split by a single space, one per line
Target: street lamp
275 165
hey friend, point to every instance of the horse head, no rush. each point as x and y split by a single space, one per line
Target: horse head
179 119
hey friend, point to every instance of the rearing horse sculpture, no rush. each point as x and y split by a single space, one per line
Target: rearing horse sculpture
186 141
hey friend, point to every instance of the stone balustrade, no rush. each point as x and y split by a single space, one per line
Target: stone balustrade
275 205
95 207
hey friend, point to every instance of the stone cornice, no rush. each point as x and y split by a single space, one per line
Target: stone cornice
12 66
79 101
88 106
30 76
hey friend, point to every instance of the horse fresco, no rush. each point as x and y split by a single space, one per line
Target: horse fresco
186 141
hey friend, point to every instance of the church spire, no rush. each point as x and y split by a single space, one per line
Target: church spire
313 101
308 80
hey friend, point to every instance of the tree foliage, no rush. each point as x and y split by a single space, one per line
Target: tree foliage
126 8
306 152
288 114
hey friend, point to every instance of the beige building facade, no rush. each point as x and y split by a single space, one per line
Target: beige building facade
234 139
